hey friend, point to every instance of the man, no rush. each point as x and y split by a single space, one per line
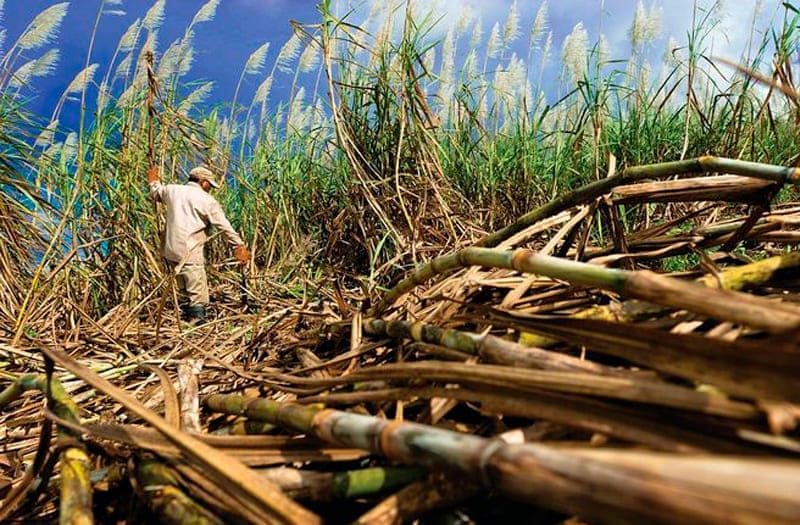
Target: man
191 211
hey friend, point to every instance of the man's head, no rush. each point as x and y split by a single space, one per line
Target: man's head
204 177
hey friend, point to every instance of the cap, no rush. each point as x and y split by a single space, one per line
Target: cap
203 173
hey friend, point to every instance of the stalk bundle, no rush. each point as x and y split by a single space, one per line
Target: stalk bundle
584 389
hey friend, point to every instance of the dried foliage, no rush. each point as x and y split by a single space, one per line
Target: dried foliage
641 388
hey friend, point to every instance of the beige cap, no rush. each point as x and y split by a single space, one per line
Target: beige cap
203 173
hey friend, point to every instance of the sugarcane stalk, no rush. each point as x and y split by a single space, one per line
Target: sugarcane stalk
637 426
257 502
437 491
612 485
489 347
741 308
595 189
161 489
244 427
523 380
329 486
75 506
633 388
741 368
736 278
76 487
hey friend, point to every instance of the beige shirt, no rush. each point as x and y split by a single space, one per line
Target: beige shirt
190 213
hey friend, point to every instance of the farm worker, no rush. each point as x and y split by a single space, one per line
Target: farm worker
191 211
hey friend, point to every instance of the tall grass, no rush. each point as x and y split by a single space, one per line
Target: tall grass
402 137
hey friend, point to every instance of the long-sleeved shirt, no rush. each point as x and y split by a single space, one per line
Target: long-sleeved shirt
190 212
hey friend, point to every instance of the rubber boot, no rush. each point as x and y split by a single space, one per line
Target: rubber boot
194 313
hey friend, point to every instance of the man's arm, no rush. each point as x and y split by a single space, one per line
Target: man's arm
154 184
217 218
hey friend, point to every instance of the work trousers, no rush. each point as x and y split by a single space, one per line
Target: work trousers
192 284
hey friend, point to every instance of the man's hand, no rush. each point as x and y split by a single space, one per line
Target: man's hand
152 175
242 254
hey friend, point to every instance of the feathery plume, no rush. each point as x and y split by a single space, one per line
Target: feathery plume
603 50
50 153
483 104
177 59
509 82
318 117
255 62
81 80
150 43
516 70
573 52
2 31
225 131
547 48
653 25
38 67
384 35
501 84
528 99
471 65
539 24
636 30
129 37
477 34
70 148
262 92
646 25
448 67
103 96
198 96
169 61
126 97
278 117
670 56
154 16
372 14
511 28
252 130
309 58
296 118
124 67
44 27
206 13
429 59
493 45
288 53
631 69
186 58
137 85
47 135
463 21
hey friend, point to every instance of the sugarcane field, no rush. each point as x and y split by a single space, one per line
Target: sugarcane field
383 262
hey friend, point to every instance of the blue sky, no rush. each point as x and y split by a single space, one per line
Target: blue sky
222 46
240 26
